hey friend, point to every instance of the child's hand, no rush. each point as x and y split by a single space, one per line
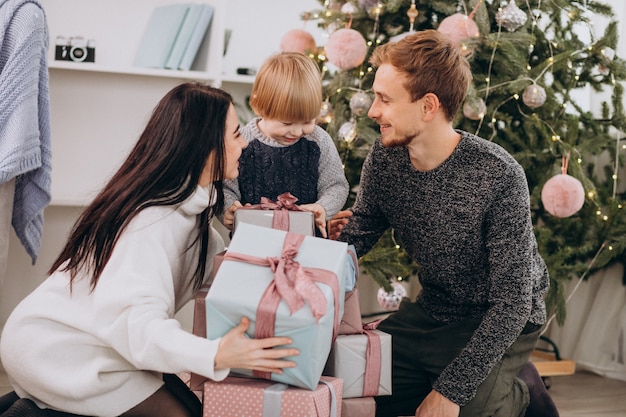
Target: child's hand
229 215
238 351
319 213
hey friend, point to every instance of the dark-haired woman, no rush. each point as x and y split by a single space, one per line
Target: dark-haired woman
96 337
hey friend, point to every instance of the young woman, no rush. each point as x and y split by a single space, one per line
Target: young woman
98 335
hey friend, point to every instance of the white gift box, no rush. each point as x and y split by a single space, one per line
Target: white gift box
299 221
347 361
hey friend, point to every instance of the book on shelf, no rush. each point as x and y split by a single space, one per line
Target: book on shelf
174 35
160 34
195 41
184 35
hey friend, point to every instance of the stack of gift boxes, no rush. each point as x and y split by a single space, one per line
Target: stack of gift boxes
342 363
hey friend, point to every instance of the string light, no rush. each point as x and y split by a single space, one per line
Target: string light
616 166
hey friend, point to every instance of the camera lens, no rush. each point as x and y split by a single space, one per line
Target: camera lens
78 53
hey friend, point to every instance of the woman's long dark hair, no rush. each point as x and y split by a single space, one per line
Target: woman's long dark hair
163 168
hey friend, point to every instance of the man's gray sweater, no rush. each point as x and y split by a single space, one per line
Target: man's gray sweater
467 225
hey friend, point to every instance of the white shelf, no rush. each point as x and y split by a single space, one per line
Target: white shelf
117 27
238 79
148 72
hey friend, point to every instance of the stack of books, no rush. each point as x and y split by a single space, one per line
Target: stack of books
173 36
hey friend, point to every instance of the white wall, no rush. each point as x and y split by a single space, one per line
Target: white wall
258 26
248 47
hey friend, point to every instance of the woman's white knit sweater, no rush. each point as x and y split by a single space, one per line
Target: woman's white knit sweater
100 353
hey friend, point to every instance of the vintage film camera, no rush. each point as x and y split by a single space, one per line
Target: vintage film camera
76 49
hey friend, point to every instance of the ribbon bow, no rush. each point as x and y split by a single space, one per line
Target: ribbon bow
284 203
292 283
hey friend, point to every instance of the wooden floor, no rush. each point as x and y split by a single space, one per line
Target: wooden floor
580 395
589 395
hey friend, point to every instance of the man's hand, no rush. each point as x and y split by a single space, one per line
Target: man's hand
436 405
337 222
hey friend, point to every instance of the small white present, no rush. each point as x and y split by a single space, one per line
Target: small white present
282 214
363 361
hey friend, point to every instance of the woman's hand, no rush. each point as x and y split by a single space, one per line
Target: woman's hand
238 351
319 214
337 222
229 215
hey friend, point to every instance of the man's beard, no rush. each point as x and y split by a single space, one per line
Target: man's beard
398 142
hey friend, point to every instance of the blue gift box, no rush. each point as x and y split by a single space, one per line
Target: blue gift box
238 288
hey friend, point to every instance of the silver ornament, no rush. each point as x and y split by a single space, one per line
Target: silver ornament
326 113
511 17
474 108
534 96
360 103
348 8
607 56
347 131
391 300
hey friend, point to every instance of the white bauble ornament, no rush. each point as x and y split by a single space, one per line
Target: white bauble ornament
608 54
391 300
347 131
563 195
534 96
360 103
326 113
348 8
474 108
511 17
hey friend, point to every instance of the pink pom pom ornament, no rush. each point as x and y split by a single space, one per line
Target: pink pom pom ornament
346 49
563 195
298 40
459 28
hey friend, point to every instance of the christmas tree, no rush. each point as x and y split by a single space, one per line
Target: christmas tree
530 62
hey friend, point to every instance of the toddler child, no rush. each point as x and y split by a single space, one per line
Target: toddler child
287 151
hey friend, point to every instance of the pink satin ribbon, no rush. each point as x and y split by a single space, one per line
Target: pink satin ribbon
292 283
373 353
284 203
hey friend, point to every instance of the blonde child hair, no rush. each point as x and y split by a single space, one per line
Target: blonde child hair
288 87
